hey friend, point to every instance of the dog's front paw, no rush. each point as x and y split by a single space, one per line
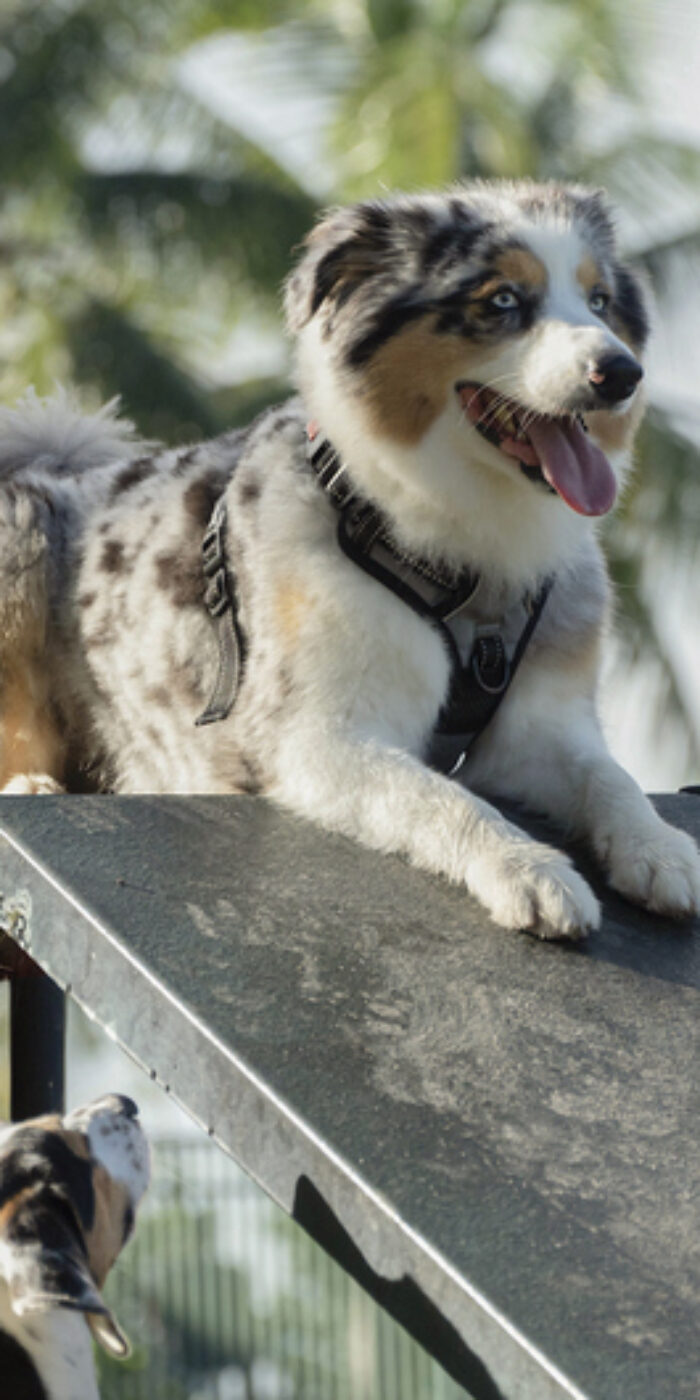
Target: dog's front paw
536 889
658 867
25 783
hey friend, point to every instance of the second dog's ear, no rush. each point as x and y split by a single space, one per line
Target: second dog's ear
346 247
107 1332
45 1266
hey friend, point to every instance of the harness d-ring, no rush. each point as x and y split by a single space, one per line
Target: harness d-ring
489 663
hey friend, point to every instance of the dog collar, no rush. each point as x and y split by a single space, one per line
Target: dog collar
432 588
484 655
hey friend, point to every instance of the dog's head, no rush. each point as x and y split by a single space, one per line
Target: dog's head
493 326
69 1188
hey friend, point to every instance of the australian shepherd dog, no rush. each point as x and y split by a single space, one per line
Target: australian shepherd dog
471 363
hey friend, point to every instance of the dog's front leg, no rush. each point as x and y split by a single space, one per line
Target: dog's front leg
389 800
647 860
559 764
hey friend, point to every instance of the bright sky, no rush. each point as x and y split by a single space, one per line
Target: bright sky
671 32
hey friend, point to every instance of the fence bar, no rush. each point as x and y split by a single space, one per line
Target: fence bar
37 1042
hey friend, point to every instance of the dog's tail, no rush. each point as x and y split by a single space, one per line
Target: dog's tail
54 435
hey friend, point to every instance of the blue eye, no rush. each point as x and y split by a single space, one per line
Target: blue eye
598 301
505 300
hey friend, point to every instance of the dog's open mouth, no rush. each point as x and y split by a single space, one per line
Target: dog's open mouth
556 450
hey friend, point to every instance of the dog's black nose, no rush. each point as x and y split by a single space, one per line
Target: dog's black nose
615 377
127 1106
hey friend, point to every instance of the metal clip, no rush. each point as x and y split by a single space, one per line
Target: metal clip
212 556
489 661
216 598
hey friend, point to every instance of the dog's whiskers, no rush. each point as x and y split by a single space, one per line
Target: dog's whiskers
500 400
492 411
491 416
531 416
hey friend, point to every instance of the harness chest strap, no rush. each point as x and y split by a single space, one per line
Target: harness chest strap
478 683
484 656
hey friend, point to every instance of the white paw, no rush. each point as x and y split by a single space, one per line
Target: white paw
657 866
535 888
25 783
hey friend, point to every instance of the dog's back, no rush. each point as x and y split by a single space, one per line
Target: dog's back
56 463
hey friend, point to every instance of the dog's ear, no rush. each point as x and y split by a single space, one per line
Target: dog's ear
44 1262
594 210
632 290
346 248
107 1332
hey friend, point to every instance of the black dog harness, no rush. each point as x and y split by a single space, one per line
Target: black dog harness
484 655
221 602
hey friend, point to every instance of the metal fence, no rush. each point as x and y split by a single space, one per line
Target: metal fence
225 1298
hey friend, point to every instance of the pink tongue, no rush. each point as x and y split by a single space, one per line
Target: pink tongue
573 465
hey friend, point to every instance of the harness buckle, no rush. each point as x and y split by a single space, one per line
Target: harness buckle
489 662
216 598
212 553
469 589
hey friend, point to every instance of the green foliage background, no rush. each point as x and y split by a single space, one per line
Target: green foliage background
142 220
279 1314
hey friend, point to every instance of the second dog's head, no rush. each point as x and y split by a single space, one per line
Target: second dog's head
69 1189
493 327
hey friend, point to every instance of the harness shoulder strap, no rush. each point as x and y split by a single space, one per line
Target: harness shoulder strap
479 684
221 603
433 590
